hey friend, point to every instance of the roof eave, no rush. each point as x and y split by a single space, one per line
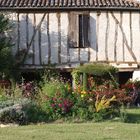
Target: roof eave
68 8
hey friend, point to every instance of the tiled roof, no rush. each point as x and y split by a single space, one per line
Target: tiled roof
60 4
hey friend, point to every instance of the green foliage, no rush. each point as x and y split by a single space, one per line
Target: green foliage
6 58
52 87
34 113
12 116
103 103
100 72
98 69
53 83
3 96
21 111
11 111
123 114
85 81
76 77
56 99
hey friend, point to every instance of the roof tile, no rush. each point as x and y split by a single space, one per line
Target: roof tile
69 3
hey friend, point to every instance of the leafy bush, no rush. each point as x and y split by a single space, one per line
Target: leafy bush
11 111
56 98
34 113
100 73
103 103
21 111
98 69
100 103
29 89
53 86
57 107
3 96
6 57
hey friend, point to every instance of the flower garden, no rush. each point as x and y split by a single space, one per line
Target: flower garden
93 94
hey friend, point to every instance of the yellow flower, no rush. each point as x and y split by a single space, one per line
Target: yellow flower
83 92
73 92
82 96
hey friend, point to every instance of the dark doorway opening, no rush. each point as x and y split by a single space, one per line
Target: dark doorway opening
124 77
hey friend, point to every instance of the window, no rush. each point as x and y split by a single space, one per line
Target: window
83 30
78 30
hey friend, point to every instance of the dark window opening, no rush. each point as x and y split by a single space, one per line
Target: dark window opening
83 30
81 43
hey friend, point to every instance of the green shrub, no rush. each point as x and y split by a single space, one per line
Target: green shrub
3 96
98 69
53 86
11 111
100 72
21 111
6 57
56 98
57 104
12 116
34 113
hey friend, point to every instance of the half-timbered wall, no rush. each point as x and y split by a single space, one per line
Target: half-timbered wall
114 38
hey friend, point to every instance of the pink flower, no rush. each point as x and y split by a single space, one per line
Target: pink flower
53 105
60 105
54 99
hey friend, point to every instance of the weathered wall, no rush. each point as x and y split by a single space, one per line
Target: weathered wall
114 38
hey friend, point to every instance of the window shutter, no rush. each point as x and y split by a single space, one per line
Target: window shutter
73 29
78 29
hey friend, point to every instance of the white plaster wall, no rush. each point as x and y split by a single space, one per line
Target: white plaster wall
64 37
136 34
92 36
36 40
126 29
101 36
119 43
53 30
30 34
74 53
111 36
84 54
44 41
22 24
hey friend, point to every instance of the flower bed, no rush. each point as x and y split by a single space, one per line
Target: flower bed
54 98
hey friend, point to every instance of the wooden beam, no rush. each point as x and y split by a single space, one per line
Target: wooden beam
59 37
49 41
125 39
106 36
18 32
32 39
